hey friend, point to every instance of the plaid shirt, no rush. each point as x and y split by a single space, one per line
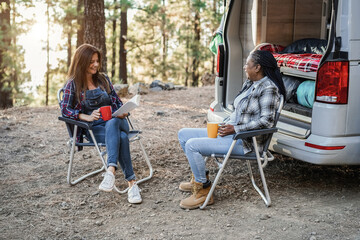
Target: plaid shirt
71 109
257 110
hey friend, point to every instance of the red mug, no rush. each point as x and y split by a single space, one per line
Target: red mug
106 113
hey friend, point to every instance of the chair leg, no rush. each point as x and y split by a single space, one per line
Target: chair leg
265 197
72 151
147 160
151 171
218 175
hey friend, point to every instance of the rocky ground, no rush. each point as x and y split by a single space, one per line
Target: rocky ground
308 201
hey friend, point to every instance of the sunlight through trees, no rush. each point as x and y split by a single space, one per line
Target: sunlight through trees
141 41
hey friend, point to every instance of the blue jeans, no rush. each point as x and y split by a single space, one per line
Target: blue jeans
195 143
114 133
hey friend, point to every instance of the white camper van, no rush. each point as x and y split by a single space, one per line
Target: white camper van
320 122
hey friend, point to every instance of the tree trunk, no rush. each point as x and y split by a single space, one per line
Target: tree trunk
122 51
188 50
187 65
47 54
69 53
164 41
214 56
113 60
94 32
195 62
14 43
80 21
5 86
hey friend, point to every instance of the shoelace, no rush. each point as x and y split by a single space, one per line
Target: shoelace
107 178
135 191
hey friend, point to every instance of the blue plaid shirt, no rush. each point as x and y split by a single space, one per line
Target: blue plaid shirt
71 109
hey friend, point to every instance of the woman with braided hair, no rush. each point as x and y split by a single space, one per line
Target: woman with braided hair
255 108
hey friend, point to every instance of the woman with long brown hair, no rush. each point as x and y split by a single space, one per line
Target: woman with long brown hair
85 92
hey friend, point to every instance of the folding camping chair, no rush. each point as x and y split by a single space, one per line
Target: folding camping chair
262 158
73 128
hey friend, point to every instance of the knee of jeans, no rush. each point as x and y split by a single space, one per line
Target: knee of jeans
181 135
124 125
114 122
191 145
123 136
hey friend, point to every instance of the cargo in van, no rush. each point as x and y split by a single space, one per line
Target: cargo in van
317 47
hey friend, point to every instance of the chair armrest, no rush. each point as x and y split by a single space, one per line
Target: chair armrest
253 133
87 125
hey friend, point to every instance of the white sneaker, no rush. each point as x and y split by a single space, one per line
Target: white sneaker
134 194
108 182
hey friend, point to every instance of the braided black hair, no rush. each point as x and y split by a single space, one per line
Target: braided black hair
270 68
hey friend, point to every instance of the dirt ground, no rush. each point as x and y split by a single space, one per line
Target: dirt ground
308 201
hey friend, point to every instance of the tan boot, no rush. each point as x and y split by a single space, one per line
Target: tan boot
197 198
187 186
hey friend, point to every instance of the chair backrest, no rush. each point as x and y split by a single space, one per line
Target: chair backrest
70 127
277 116
60 95
278 111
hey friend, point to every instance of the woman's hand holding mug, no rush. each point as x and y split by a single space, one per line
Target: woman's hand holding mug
95 115
225 130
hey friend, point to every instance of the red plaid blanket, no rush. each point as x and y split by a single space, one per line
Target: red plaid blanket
304 62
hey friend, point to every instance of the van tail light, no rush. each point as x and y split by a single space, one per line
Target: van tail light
332 82
324 147
220 60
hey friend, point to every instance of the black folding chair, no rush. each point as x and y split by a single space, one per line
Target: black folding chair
73 128
262 158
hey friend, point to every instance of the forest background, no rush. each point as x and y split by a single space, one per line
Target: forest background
163 39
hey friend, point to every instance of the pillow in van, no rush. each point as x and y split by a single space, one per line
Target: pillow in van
273 48
306 93
307 45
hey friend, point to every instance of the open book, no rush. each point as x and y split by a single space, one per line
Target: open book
128 106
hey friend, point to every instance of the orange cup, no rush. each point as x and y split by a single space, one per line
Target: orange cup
106 113
212 129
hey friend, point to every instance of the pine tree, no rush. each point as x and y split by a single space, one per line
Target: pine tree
113 38
81 23
5 81
123 75
94 31
12 75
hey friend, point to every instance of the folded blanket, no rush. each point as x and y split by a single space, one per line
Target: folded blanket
304 62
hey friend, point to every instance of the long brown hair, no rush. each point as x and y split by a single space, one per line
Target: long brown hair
79 64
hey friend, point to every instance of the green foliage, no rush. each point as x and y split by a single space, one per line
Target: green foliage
12 60
162 42
146 43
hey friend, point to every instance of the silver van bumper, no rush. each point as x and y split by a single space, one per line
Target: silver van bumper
295 148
